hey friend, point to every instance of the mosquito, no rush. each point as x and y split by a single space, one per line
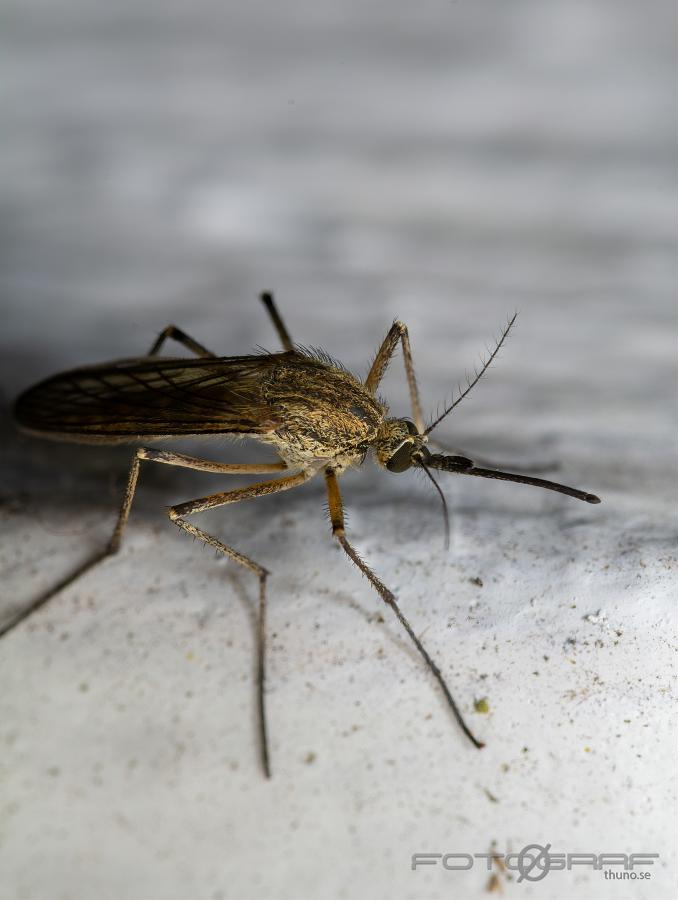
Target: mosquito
315 415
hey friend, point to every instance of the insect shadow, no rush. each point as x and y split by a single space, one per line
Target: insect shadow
316 416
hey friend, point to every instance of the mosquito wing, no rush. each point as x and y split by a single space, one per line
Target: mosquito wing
149 397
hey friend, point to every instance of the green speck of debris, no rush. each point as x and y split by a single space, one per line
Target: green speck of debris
481 706
83 687
53 771
310 758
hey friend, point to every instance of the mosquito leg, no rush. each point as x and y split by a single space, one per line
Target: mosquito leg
537 466
22 614
163 456
171 331
205 465
260 489
337 518
397 332
111 548
278 324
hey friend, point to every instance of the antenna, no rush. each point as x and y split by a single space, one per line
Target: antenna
478 376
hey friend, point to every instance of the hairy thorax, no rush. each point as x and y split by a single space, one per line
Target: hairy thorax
326 415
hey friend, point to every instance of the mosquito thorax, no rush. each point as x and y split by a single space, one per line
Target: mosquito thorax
398 445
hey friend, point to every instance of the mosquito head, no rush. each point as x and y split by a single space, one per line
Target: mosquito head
399 444
400 447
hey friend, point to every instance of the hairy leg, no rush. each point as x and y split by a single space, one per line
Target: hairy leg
397 332
260 489
142 453
337 518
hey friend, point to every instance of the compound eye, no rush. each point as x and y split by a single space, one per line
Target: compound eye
401 459
411 427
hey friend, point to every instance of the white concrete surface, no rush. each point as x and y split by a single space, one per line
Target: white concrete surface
446 163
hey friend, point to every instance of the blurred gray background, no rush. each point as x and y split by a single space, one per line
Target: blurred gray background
446 163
